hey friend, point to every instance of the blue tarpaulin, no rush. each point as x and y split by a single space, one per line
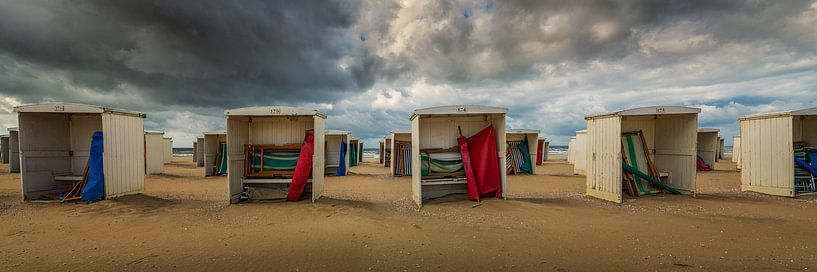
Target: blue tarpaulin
95 187
342 162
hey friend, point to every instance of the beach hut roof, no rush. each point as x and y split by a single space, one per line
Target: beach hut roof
217 132
274 111
654 110
802 112
60 107
154 132
401 131
708 130
521 131
14 129
337 132
459 110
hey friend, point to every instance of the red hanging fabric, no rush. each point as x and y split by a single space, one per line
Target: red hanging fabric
473 192
539 153
482 147
303 168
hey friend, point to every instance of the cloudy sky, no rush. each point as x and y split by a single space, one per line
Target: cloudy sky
368 64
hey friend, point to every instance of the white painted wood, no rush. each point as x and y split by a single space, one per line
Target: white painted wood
396 135
766 158
532 136
669 132
14 150
708 145
210 149
154 152
4 148
580 157
200 151
439 128
124 154
167 150
273 125
334 138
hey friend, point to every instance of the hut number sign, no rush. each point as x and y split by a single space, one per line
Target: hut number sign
59 108
461 109
659 110
275 111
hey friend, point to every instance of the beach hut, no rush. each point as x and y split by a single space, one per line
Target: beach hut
708 143
437 165
14 150
360 153
168 150
400 153
521 150
777 152
382 153
200 151
59 142
278 133
736 150
387 145
215 153
542 146
337 152
658 142
4 148
571 150
195 151
354 151
154 152
721 148
580 153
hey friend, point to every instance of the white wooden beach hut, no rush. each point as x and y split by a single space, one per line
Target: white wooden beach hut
670 137
14 150
154 152
195 151
200 151
168 150
721 148
400 146
435 131
542 148
279 130
513 138
55 141
708 144
769 145
382 152
387 145
214 148
736 150
4 148
334 140
571 150
580 154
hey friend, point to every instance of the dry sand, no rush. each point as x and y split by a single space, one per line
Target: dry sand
366 222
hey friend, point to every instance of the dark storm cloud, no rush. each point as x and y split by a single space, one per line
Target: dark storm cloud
188 52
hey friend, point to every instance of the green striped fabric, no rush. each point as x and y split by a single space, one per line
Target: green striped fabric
275 161
441 166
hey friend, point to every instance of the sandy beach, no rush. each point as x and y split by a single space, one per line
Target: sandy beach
366 221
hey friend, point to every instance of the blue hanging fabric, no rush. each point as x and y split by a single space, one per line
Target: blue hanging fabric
95 187
342 161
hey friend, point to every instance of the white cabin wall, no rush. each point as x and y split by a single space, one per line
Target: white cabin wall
124 154
238 135
44 142
82 129
766 155
708 146
675 145
603 179
279 130
154 158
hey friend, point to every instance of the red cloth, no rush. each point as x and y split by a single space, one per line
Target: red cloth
473 192
539 153
702 165
303 168
482 147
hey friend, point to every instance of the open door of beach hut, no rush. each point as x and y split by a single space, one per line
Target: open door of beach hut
154 152
14 150
400 153
707 147
437 162
660 142
215 153
580 153
266 145
337 152
56 149
522 149
779 153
